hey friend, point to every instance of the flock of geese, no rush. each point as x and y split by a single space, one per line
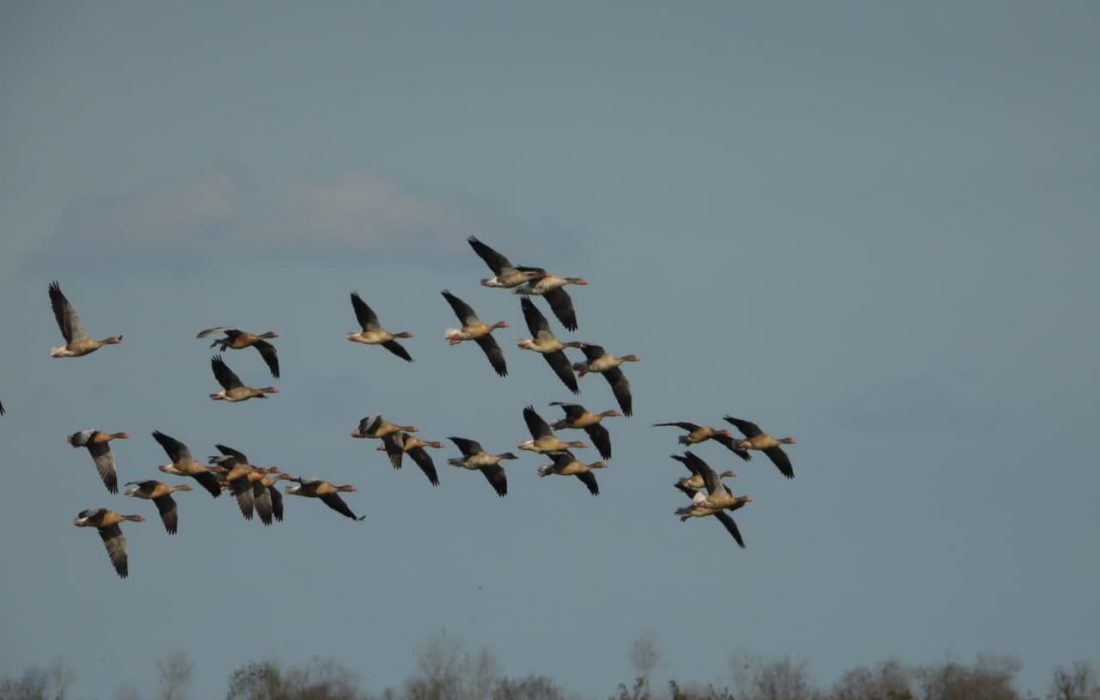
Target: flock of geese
255 487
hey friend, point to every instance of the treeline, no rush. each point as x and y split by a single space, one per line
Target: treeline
446 670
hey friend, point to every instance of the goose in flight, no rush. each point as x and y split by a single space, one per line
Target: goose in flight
473 328
235 339
98 444
233 390
77 340
565 464
757 439
506 274
161 495
107 523
598 360
701 433
543 439
580 418
550 287
327 492
474 457
544 343
183 464
373 333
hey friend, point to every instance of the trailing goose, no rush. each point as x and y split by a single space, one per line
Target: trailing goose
698 509
578 417
507 274
161 495
549 287
757 439
400 444
238 340
107 523
98 444
473 328
77 341
543 439
701 433
565 464
373 333
598 360
233 390
474 456
183 464
544 343
327 492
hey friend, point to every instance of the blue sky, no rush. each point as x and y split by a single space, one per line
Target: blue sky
869 226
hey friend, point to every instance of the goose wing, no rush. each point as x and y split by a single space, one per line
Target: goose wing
261 499
731 443
398 349
620 386
488 345
211 331
166 505
535 424
276 503
536 322
242 490
589 480
562 306
468 447
368 320
561 366
749 428
235 454
683 425
115 542
394 448
225 376
494 473
176 450
104 464
209 482
600 438
593 352
496 262
780 459
68 320
333 500
271 358
731 527
573 411
463 311
424 461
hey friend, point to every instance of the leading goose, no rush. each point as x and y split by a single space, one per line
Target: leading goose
183 464
473 328
757 439
77 341
507 274
238 340
543 439
474 457
107 523
373 333
598 360
701 433
550 288
565 464
161 495
233 390
327 492
98 444
544 343
580 418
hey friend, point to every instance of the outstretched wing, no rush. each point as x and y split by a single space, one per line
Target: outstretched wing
166 505
562 306
424 461
683 425
535 424
589 480
463 311
496 262
466 446
104 464
749 428
489 346
561 366
267 351
225 376
177 451
536 322
780 459
333 500
67 318
494 473
368 320
398 349
731 527
115 542
620 386
600 438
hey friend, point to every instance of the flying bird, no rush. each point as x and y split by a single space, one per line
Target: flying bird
98 444
161 495
544 343
549 287
717 500
543 439
238 340
107 522
474 457
473 328
506 274
402 443
327 492
565 464
691 485
757 439
580 418
598 360
183 464
77 341
233 390
701 433
374 334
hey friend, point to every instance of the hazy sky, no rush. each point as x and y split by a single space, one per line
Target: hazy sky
870 226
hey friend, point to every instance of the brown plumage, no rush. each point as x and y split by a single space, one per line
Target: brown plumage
98 444
238 340
757 439
327 492
233 390
701 433
107 523
473 328
161 495
474 457
580 418
77 341
373 333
